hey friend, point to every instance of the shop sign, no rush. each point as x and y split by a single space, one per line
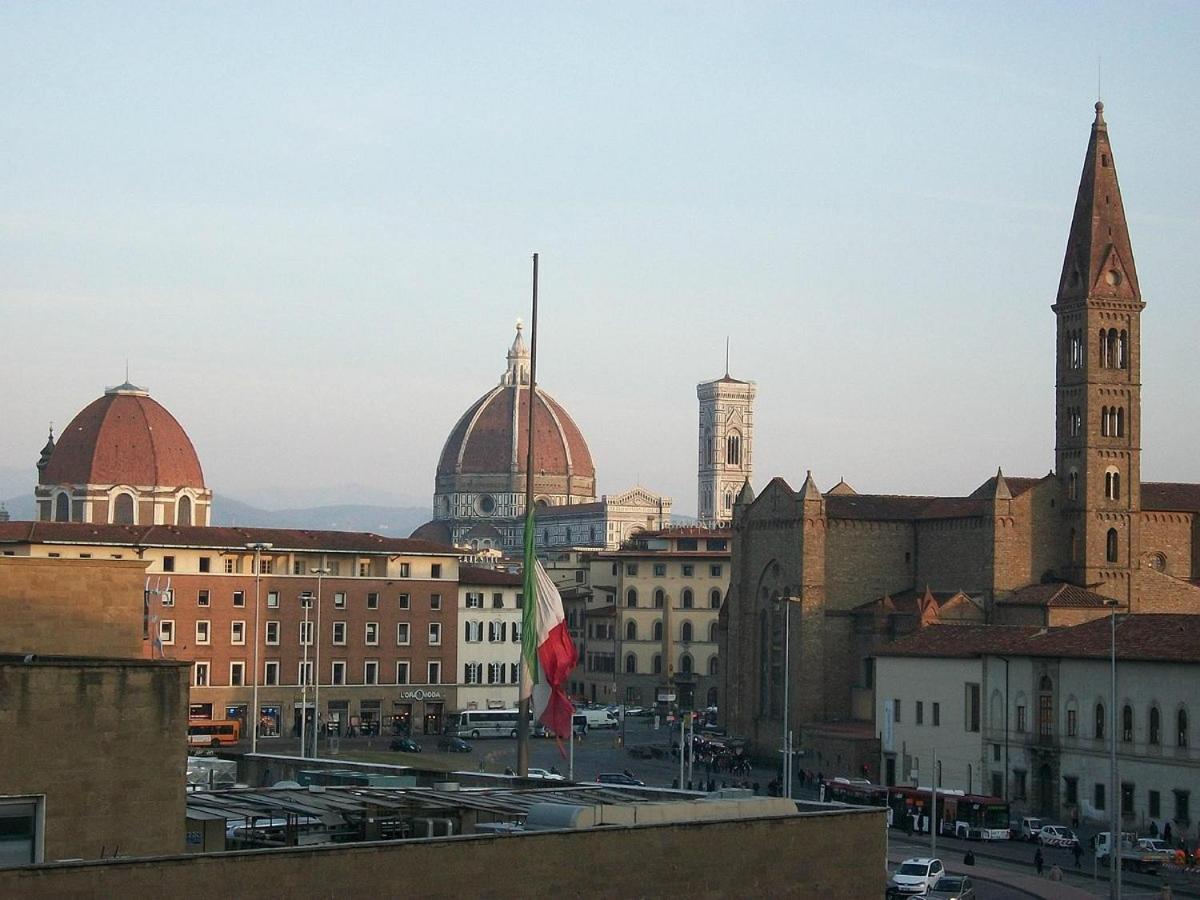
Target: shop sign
420 694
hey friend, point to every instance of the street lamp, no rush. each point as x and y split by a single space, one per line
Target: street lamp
1114 824
305 638
320 572
258 548
786 750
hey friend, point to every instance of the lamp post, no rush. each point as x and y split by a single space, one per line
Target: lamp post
1114 833
306 601
320 572
258 548
786 750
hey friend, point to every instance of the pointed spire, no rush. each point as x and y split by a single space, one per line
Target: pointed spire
1001 491
518 360
1099 258
47 450
808 490
746 495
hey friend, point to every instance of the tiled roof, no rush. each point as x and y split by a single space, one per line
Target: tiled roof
478 575
124 438
909 600
282 539
435 532
899 508
1055 595
1144 637
1166 495
1016 486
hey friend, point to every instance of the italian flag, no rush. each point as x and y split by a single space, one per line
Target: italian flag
546 646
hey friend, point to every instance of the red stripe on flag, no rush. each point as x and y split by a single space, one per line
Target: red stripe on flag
558 656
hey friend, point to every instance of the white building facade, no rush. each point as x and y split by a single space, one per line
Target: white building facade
489 638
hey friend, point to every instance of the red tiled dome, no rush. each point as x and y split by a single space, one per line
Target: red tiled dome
482 440
124 437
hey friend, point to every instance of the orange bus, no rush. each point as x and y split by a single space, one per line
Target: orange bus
213 732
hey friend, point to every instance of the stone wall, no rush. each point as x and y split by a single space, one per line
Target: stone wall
833 854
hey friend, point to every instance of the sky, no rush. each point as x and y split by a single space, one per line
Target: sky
308 229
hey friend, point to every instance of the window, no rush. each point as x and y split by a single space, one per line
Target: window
372 601
1182 806
471 672
239 598
405 569
920 712
688 570
435 634
660 598
272 632
996 755
1155 726
472 632
371 671
937 714
402 601
660 570
203 629
229 565
712 633
658 631
1070 790
1181 727
1126 798
498 631
1112 484
339 599
630 664
1020 718
631 630
1019 784
498 598
371 633
433 672
474 600
237 674
896 710
686 598
972 711
200 674
339 634
1098 795
496 673
168 564
520 601
168 597
435 570
1099 732
516 632
166 631
656 665
298 567
685 632
631 597
402 671
364 569
715 570
631 568
272 599
435 601
337 672
237 632
271 672
1072 723
203 599
1127 724
402 634
304 672
205 564
714 599
1154 802
306 632
514 673
1111 545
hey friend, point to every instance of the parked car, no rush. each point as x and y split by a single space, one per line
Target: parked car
453 744
916 876
1057 836
405 745
545 773
1158 846
619 778
1030 826
953 887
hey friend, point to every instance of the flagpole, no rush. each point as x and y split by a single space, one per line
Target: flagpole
523 710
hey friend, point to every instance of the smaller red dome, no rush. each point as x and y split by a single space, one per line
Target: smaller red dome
124 437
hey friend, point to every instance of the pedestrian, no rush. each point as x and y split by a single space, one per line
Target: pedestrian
712 785
969 858
1078 852
1038 860
1167 833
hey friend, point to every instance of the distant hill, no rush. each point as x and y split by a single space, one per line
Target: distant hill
392 521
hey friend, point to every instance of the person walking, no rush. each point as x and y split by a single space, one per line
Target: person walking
1038 860
1078 852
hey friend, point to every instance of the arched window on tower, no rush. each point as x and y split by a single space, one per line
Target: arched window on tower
1120 421
62 507
1111 545
729 500
1104 421
183 511
1155 726
123 510
1073 485
1123 351
733 449
1127 724
1103 347
1112 484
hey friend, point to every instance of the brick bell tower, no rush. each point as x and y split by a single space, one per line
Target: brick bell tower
1098 408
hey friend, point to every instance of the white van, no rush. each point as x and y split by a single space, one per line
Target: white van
598 718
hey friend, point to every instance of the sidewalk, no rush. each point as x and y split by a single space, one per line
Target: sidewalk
1026 882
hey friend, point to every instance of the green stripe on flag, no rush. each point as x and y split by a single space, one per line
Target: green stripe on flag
529 608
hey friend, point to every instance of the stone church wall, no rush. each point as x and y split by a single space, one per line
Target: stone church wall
954 554
1172 535
865 560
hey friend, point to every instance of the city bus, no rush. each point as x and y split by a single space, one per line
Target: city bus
481 723
972 816
213 732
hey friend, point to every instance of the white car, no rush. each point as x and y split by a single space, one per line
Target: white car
1157 846
545 773
1057 836
917 875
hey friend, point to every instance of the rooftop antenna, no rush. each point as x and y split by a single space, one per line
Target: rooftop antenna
127 370
1099 72
726 356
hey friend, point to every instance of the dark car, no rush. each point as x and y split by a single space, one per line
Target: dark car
953 887
619 778
405 745
453 744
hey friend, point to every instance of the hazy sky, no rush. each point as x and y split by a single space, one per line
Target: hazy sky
308 227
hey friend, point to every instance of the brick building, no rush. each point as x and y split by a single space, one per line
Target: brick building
1091 523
